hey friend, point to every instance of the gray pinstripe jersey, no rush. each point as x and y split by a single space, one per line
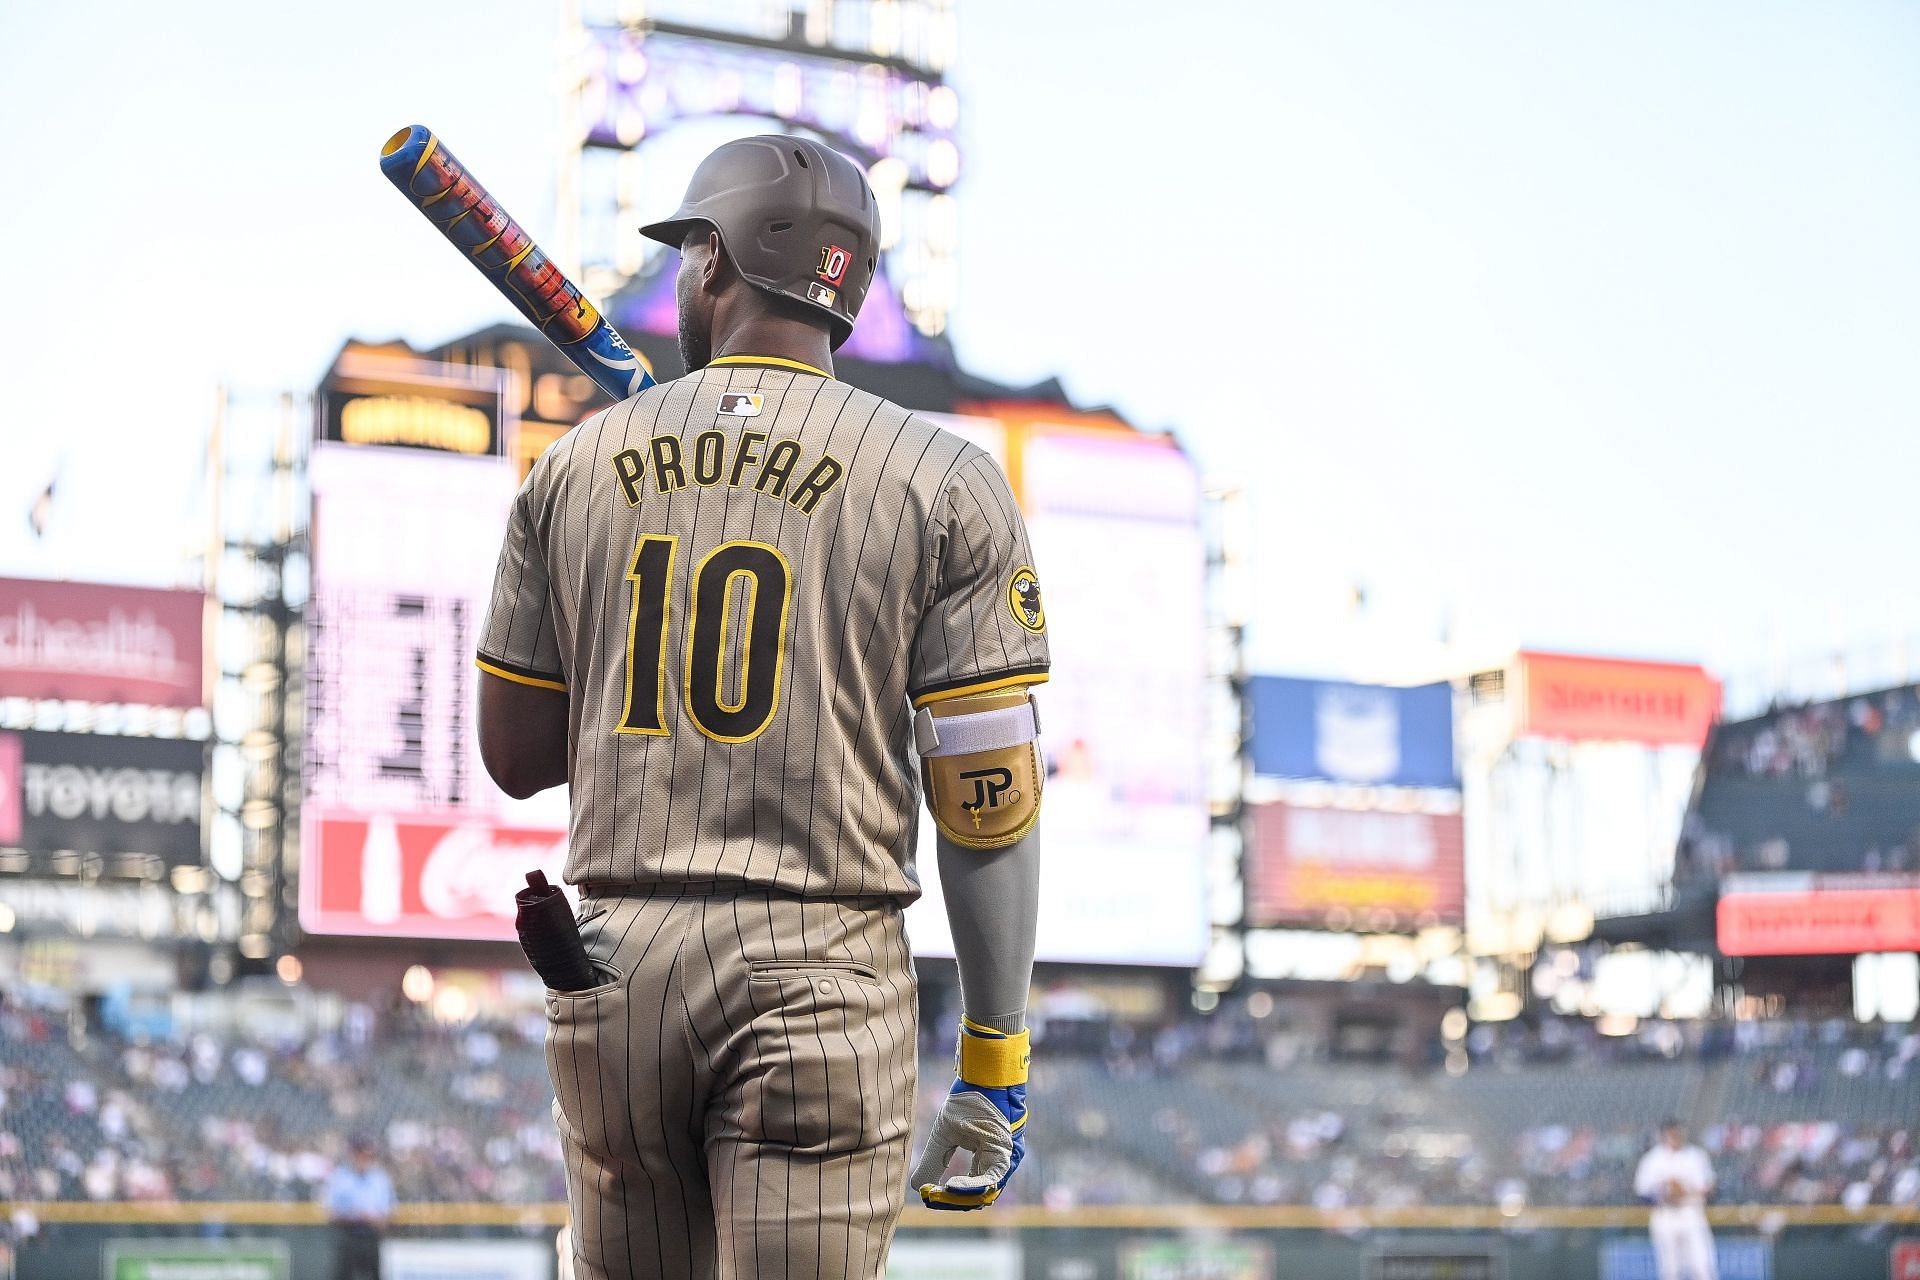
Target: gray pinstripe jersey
742 579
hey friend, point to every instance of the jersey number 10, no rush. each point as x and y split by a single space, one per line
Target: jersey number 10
761 620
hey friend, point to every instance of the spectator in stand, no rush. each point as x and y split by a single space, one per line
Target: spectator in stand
359 1203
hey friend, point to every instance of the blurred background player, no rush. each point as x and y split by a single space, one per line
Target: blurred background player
1677 1177
728 611
359 1202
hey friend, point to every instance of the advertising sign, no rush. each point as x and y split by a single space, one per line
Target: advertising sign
1196 1260
196 1260
1114 522
1740 1258
101 794
1437 1262
1805 914
1904 1264
923 1259
465 1260
1616 700
420 875
370 398
1377 868
403 832
90 642
1363 734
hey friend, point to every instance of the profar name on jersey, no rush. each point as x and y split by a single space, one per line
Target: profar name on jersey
708 460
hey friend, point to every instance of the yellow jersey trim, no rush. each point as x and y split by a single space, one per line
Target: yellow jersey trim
778 361
517 678
985 686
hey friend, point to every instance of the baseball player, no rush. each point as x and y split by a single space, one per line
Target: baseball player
1677 1178
731 611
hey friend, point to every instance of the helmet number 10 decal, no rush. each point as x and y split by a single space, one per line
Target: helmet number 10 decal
833 264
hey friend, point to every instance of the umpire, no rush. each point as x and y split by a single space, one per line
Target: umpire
752 616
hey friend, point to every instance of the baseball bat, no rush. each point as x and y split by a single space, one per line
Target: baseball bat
452 199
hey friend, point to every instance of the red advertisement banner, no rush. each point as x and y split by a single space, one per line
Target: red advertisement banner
91 642
1615 700
1819 922
1905 1263
418 875
1370 868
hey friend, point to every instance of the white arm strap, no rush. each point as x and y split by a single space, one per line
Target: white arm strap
976 731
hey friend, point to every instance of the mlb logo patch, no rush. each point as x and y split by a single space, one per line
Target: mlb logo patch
817 292
738 405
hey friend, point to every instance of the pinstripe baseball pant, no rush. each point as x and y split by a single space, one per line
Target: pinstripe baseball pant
738 1100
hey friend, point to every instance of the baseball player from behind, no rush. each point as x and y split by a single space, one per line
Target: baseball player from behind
731 611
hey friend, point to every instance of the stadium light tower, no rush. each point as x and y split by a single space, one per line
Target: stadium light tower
651 86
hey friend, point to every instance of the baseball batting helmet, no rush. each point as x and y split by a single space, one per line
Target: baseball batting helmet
797 218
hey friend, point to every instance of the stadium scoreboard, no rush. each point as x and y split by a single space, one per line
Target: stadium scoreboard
403 833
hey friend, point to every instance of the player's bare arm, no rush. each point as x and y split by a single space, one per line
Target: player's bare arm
523 735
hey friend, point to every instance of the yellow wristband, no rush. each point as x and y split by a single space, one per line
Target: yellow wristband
993 1059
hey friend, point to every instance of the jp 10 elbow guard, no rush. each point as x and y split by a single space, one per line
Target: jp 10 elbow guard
981 767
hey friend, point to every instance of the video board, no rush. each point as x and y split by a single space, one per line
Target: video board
375 397
1363 734
403 832
1114 518
1345 867
1355 817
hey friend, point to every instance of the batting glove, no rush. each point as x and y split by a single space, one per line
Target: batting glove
985 1113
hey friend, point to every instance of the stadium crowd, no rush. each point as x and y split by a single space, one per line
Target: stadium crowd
1825 787
1219 1109
1812 741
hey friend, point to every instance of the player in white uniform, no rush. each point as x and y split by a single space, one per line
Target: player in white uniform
1677 1177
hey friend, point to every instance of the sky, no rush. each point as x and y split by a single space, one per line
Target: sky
1591 326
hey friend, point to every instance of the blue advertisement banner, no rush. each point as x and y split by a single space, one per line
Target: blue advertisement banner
1740 1258
1363 734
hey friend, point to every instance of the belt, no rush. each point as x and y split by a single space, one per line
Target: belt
677 889
601 890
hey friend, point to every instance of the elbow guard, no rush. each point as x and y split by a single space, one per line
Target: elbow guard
981 767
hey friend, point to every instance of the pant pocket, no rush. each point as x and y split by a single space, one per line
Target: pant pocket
819 1042
584 1063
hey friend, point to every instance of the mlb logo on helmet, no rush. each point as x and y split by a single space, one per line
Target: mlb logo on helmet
817 292
833 264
